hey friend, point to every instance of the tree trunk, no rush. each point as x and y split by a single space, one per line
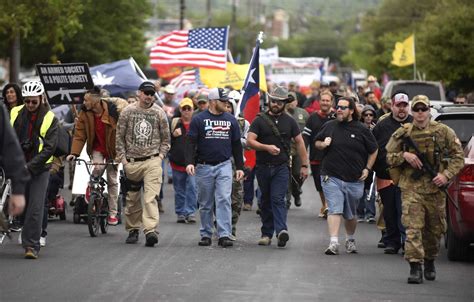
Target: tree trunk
15 59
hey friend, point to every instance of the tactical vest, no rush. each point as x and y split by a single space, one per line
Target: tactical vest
45 125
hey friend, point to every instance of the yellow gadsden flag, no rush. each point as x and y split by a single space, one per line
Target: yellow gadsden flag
404 52
234 75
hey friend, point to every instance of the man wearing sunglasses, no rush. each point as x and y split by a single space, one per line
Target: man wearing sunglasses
96 126
213 138
424 203
142 141
37 130
271 134
350 150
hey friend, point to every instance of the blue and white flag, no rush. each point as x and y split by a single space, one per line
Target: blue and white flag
117 77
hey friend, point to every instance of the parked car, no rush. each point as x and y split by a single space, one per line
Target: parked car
433 90
460 209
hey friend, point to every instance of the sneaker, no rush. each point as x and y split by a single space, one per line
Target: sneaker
151 239
43 241
232 237
205 241
371 220
381 244
360 219
31 253
247 207
333 249
283 237
225 242
265 240
351 246
132 237
390 250
181 219
112 220
191 219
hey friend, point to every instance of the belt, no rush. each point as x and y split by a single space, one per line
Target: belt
210 163
142 158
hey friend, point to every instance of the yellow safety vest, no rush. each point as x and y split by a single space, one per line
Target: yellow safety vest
47 122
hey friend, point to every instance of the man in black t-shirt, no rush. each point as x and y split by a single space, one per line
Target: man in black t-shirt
350 151
273 163
313 125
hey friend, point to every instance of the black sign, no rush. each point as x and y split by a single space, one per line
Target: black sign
65 83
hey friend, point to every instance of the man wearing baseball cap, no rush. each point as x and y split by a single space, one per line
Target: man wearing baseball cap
142 141
213 138
424 202
271 134
390 193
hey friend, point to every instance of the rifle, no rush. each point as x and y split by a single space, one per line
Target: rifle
65 93
427 167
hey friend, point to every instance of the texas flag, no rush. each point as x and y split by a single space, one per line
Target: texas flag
250 103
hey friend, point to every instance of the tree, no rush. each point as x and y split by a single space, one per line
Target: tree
446 51
35 22
111 30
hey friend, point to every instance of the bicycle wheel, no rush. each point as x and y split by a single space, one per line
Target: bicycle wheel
93 215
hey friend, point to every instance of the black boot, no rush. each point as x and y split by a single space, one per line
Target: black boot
416 276
430 271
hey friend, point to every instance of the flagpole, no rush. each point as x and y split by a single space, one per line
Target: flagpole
414 57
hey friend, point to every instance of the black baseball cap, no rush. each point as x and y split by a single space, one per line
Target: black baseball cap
147 86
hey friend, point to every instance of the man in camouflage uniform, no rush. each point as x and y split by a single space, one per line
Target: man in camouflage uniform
142 141
301 116
423 201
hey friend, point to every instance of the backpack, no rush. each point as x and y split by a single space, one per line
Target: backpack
63 146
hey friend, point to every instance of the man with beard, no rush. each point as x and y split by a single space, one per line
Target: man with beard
271 134
314 124
213 138
390 193
350 150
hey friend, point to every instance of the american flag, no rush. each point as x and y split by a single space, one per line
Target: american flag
186 78
200 47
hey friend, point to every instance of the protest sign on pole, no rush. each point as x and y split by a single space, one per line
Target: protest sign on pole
65 83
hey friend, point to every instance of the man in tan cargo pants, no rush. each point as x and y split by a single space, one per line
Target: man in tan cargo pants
143 140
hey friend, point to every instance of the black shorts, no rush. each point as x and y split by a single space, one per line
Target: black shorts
316 171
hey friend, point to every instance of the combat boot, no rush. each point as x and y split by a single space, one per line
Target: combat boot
430 271
416 275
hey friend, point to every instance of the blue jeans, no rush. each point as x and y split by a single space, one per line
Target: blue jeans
249 189
366 209
185 193
273 183
214 184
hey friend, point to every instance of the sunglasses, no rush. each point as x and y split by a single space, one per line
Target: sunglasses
368 114
342 107
186 108
31 101
420 109
149 93
278 102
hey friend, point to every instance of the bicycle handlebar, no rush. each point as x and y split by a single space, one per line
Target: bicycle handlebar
89 163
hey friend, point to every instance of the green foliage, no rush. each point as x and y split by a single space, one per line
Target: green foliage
443 34
448 53
112 30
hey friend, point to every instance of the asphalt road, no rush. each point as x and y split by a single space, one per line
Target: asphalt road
76 267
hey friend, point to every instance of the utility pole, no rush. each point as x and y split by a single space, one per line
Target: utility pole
182 8
15 55
209 15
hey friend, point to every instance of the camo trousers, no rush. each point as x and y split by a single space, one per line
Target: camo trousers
424 217
237 201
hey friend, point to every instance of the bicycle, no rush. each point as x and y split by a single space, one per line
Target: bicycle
5 220
97 203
